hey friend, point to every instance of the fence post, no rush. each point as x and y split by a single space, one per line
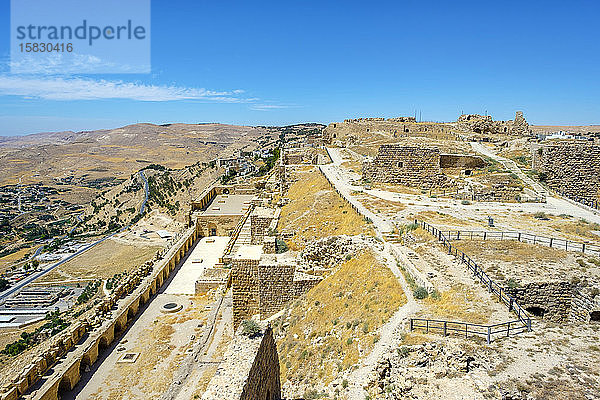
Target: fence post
490 284
583 248
445 328
411 324
528 324
489 335
510 306
457 235
427 326
508 329
519 236
551 240
484 234
466 330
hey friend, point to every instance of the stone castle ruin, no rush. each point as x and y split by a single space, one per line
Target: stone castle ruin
351 130
417 166
485 124
570 168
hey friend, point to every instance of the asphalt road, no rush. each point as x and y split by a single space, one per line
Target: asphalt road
37 275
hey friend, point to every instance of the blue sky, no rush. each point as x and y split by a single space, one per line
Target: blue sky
276 62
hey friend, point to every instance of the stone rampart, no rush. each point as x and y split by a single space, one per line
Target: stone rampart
249 371
570 168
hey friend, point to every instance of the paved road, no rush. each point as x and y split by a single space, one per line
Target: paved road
37 275
146 192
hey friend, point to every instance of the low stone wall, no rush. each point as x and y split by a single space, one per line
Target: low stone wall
463 161
249 371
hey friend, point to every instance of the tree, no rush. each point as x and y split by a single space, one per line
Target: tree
3 283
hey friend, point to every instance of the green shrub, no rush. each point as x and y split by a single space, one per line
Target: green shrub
420 292
512 283
250 328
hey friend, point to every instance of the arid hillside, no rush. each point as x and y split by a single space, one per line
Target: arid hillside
86 157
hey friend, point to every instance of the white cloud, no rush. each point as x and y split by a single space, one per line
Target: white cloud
53 88
268 107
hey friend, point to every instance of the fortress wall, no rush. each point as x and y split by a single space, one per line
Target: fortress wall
395 127
570 168
249 371
276 281
461 161
100 325
245 289
301 286
406 165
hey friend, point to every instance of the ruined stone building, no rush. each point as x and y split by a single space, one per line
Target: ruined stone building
263 283
406 165
417 166
571 168
485 124
351 130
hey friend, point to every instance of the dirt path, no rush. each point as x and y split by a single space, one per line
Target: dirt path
390 332
390 335
565 206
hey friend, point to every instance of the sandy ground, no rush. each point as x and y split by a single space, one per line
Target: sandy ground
204 255
103 261
164 341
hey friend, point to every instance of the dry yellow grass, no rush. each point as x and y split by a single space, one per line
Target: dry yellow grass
339 316
439 218
458 304
103 261
316 211
382 205
510 250
10 259
354 166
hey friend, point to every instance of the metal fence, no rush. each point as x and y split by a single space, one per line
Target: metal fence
463 328
480 274
556 243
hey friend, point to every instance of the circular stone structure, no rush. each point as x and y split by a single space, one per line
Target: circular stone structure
171 307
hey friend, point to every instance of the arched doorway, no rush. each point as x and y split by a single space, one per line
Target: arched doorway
536 311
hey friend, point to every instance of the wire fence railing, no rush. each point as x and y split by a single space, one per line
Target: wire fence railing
479 274
464 328
556 243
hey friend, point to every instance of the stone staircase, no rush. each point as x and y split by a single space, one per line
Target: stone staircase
244 237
